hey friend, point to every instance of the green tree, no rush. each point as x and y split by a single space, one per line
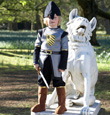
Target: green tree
105 23
91 9
14 11
1 1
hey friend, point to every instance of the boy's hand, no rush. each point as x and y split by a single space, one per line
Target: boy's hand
60 70
36 66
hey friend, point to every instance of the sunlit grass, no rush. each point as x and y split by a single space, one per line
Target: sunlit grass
18 44
103 67
101 32
14 61
11 58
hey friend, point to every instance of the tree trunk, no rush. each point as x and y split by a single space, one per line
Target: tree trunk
1 1
106 22
9 25
93 41
107 26
32 25
38 22
15 25
89 8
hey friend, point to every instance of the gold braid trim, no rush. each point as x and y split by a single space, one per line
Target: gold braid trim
37 46
64 50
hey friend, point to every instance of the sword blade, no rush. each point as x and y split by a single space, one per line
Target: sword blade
44 79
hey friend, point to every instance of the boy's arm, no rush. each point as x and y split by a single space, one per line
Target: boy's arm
37 49
36 55
64 52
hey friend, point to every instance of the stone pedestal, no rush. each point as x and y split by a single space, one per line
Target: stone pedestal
75 110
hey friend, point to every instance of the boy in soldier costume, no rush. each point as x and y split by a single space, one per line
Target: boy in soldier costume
50 54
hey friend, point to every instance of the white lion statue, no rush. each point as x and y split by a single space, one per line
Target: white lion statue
82 72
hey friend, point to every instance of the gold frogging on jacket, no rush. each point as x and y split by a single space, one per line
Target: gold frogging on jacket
50 39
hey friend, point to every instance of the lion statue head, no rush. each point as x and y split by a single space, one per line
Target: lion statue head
79 28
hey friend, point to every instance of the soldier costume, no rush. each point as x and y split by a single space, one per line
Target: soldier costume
51 52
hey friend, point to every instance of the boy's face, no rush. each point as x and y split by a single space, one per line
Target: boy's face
53 23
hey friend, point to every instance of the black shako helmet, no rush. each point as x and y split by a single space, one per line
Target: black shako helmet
52 9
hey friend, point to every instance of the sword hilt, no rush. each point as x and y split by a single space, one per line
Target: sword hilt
38 71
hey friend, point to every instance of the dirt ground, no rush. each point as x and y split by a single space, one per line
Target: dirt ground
18 92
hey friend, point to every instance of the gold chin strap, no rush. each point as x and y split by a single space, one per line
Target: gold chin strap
61 87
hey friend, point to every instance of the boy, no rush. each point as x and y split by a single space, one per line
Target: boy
50 54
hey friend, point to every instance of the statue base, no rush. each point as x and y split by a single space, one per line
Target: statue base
75 110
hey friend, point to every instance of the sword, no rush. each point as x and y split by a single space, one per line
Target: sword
44 80
39 72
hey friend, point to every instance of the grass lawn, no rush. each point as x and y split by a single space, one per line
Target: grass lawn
18 89
18 80
103 67
14 60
